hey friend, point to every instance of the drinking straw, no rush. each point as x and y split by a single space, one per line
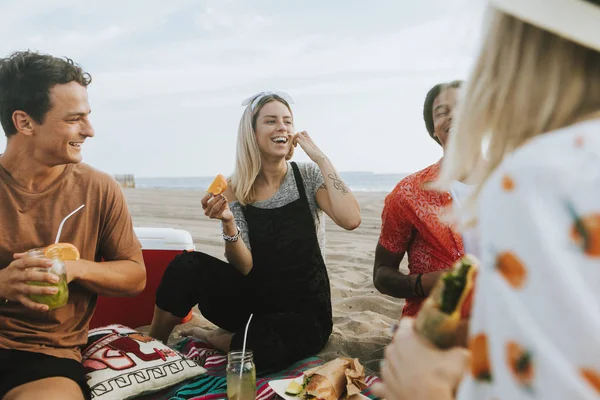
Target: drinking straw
63 222
244 345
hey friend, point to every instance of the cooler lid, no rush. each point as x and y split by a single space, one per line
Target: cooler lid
164 238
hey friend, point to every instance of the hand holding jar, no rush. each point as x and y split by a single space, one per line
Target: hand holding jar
37 279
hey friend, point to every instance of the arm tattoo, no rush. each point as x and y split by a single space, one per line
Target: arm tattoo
338 184
323 186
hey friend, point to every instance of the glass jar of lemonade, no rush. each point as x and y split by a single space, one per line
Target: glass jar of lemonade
241 387
59 269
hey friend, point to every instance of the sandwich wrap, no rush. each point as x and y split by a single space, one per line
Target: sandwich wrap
448 303
340 378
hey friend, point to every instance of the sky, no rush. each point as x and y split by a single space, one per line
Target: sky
169 77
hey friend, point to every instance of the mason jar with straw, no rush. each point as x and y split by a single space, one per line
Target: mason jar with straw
241 372
58 268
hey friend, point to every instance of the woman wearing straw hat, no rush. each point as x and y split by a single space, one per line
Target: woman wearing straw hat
273 229
535 95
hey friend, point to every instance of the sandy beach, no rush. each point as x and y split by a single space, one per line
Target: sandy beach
362 316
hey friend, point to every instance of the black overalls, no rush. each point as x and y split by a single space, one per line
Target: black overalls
287 289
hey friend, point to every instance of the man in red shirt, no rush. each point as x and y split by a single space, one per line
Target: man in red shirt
411 219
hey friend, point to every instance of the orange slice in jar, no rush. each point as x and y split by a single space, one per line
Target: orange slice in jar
65 251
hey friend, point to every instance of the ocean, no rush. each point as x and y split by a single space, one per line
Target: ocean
356 181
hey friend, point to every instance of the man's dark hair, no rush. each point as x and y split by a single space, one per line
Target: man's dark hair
26 78
428 106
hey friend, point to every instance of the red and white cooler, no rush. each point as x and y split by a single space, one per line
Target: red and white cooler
159 247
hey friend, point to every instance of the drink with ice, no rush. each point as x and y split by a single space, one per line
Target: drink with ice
57 252
58 268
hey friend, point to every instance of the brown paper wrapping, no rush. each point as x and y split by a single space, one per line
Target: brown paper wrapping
340 378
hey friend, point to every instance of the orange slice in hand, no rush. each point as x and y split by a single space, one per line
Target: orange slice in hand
218 186
65 251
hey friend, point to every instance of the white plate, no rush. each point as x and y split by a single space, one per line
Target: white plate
279 386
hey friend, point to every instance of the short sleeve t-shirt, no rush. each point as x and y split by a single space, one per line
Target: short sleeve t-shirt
102 230
410 223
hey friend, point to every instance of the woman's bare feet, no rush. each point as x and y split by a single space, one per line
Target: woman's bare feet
196 332
220 338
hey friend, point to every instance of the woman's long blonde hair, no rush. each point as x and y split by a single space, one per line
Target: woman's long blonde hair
525 82
248 158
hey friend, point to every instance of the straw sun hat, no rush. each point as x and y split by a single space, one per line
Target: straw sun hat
575 20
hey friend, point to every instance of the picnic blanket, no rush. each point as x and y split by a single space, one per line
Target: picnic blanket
213 384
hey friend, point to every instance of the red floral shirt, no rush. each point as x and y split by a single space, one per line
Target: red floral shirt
410 224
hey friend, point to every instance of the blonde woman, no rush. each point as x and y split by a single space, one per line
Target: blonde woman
535 95
273 230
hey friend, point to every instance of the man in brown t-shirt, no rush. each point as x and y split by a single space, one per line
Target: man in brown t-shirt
44 113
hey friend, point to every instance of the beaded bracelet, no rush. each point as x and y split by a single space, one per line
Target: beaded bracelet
233 238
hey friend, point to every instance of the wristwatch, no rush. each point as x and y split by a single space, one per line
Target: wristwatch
233 238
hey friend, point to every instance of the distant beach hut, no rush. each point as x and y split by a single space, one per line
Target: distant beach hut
126 180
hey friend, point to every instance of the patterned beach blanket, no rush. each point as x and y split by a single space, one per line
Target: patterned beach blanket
213 384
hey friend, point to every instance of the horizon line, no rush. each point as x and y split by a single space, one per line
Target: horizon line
212 176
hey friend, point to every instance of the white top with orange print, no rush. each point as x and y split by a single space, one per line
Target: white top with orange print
535 328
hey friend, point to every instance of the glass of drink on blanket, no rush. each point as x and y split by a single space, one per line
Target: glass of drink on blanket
58 268
241 376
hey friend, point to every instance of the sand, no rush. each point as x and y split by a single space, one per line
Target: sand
362 316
